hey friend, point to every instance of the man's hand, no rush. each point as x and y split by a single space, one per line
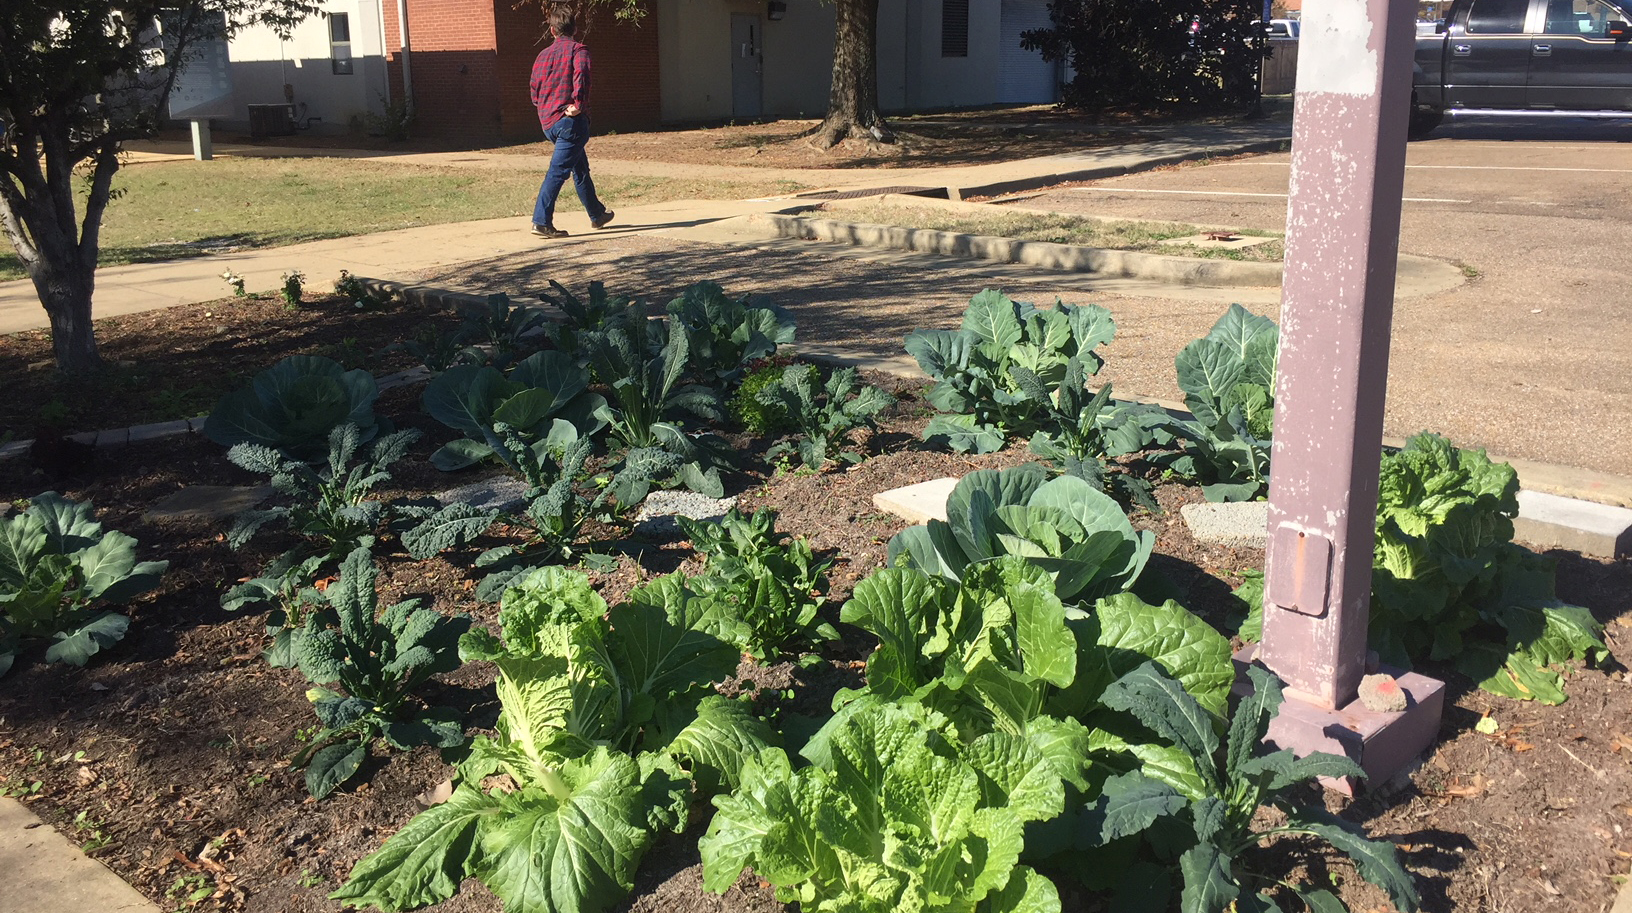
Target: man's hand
570 110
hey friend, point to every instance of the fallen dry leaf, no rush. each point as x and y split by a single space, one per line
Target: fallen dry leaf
436 795
1477 787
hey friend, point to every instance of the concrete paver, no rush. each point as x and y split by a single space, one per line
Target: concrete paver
46 873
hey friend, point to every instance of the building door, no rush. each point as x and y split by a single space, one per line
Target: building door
745 66
1026 78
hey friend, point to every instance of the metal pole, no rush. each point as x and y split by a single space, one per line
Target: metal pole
1343 220
407 70
203 151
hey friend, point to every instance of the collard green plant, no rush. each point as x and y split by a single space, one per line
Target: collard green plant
1449 582
767 585
897 816
1080 433
475 400
293 405
1066 526
652 444
379 664
59 569
1228 379
975 387
606 722
1238 774
331 507
726 334
824 417
295 608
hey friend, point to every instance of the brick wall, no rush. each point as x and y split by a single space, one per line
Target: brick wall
471 60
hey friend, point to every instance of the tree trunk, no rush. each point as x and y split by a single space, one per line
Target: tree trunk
852 101
66 295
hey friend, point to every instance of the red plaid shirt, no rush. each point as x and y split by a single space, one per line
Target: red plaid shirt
560 78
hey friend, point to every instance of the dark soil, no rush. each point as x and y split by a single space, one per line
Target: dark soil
171 749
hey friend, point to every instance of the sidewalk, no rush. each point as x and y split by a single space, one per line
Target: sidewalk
401 254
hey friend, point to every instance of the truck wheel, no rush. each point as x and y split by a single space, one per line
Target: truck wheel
1423 120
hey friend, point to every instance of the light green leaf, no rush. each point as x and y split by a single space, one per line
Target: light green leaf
424 862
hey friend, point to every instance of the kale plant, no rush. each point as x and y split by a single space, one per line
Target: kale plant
501 330
976 388
1081 433
768 586
58 571
1237 776
379 664
332 507
646 396
606 722
825 417
476 399
1066 526
582 316
1228 379
726 334
293 405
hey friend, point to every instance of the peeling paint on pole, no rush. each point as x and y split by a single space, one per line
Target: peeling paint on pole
1343 218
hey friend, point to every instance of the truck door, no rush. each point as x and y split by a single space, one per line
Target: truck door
1487 54
1577 63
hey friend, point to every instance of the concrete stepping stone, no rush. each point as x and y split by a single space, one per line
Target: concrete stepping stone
1597 530
208 502
1233 524
917 503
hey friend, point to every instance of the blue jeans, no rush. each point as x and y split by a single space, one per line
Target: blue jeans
570 135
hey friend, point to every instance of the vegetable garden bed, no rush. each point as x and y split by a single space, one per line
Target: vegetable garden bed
168 756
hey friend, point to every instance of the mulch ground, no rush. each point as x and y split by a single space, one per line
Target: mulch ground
168 754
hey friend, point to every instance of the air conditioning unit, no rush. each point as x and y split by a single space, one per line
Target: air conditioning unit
271 120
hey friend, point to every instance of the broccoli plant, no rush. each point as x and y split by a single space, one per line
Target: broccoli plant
378 663
825 417
331 507
1237 776
58 570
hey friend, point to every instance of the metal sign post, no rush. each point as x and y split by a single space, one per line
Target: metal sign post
1343 220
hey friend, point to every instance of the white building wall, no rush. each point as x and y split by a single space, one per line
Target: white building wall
263 64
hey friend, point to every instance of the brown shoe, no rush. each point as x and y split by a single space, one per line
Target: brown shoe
548 231
603 221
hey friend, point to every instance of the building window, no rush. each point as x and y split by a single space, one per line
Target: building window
954 28
340 43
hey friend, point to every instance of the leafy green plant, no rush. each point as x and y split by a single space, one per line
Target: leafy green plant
1237 776
767 585
1228 379
476 399
646 395
293 405
237 283
395 119
331 507
581 315
824 417
379 664
606 721
354 290
898 815
504 328
295 607
767 414
293 288
1081 433
726 334
438 350
975 385
1066 526
58 569
1449 582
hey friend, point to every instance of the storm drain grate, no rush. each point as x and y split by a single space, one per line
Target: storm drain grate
872 192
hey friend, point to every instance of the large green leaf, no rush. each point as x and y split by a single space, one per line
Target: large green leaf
1128 804
1377 860
1163 705
424 862
722 737
1123 632
77 645
293 406
1208 885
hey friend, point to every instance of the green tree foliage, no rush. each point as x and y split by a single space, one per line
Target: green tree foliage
1145 53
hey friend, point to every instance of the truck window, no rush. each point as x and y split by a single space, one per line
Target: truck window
1497 17
1579 17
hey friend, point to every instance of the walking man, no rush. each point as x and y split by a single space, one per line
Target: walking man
560 86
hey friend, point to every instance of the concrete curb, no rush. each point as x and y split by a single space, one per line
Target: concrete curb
1184 271
1110 171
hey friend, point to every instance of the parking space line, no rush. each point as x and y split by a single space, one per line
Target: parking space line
1235 193
1472 167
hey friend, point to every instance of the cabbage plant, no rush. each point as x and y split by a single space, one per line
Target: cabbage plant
293 405
1065 526
476 400
58 571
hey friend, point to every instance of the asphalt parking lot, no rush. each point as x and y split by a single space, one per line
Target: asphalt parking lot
1537 347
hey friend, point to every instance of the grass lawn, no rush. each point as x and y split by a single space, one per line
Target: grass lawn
169 210
1062 229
